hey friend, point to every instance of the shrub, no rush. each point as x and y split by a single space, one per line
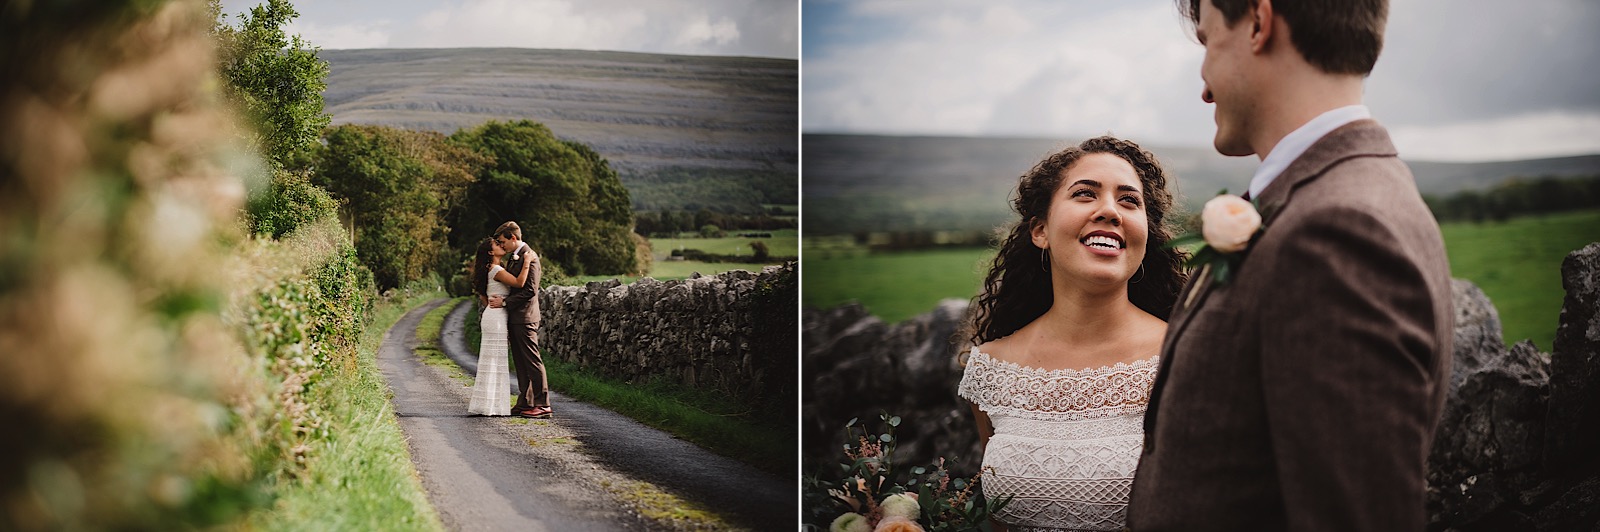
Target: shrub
288 202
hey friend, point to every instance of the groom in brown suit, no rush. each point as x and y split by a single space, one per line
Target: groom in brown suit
1302 393
522 323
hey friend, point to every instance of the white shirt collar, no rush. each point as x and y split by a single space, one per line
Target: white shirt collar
1298 141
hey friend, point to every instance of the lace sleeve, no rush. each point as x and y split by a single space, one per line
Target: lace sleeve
970 381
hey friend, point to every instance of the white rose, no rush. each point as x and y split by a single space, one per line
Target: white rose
1228 222
850 522
901 505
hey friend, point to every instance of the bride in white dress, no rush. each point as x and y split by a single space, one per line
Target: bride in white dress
491 391
1066 335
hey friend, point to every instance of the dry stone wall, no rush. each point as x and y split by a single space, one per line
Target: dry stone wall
734 332
1515 447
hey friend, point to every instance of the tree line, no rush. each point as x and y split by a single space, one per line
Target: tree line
667 224
1518 196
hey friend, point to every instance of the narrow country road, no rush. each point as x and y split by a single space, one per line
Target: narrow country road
578 471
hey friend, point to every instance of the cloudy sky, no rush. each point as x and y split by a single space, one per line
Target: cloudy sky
1458 80
761 28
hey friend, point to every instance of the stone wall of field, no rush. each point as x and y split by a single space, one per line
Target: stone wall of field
733 332
1514 450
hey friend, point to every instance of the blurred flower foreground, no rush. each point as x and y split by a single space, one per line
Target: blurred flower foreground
154 360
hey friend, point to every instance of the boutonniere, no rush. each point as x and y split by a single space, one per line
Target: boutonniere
1229 225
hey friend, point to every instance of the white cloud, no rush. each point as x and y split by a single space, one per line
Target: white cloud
342 36
703 31
1544 134
1014 69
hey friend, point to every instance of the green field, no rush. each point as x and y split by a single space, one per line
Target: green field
783 243
1516 262
893 286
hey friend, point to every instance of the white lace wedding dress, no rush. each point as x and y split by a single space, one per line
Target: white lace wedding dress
491 393
1065 441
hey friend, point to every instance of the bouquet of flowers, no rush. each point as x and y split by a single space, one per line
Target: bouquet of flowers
869 499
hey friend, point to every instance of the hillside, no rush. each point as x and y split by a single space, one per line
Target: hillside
682 131
856 183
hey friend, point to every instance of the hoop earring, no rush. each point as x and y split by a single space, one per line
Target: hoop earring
1141 275
1044 260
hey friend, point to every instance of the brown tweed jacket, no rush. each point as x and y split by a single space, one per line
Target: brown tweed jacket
1303 393
522 306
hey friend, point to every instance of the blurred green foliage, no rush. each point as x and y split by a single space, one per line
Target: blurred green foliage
1518 196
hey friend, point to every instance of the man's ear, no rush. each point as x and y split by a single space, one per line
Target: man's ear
1261 30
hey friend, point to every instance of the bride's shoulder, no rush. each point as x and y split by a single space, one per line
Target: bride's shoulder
997 349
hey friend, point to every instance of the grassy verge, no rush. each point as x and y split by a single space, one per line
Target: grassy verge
723 426
429 349
362 479
716 423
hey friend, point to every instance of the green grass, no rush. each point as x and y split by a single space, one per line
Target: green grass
1517 263
894 286
783 243
362 477
670 270
720 425
429 350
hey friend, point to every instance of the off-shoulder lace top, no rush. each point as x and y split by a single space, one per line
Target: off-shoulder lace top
1065 441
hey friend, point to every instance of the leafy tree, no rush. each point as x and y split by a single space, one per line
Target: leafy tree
569 202
400 187
275 79
710 231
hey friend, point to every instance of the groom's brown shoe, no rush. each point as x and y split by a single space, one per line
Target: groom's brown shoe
535 413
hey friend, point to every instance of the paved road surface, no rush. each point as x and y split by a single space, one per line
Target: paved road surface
485 473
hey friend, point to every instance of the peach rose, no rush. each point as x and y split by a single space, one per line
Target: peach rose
1228 222
897 524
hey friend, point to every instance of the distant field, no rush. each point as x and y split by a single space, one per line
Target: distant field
783 243
893 286
1517 263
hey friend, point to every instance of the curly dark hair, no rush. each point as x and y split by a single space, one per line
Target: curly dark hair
1017 291
480 268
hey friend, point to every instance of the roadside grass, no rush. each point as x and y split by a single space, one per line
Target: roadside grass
362 478
661 506
1517 263
428 348
707 419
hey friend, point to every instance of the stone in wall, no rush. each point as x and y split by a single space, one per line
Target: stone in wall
725 332
857 366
